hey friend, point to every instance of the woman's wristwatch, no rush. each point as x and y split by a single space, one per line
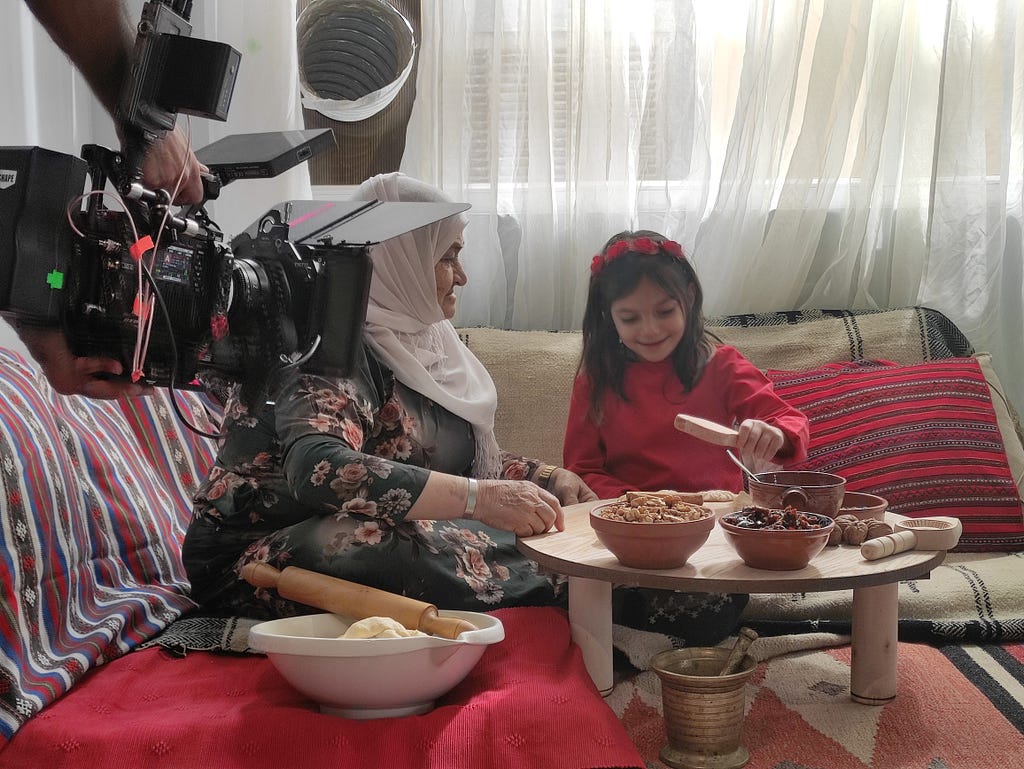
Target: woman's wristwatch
544 476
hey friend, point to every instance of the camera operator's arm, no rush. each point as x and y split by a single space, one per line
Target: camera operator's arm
71 375
98 38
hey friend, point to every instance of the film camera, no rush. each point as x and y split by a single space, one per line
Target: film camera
161 291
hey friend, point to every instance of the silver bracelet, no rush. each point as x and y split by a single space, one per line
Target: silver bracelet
471 499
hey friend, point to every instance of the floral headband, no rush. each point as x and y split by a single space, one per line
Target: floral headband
637 246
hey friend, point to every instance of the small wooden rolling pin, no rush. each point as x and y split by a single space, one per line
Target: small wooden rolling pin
352 600
706 430
939 533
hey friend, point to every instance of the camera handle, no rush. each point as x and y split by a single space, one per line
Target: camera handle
105 163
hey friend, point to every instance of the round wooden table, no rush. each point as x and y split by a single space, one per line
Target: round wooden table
716 568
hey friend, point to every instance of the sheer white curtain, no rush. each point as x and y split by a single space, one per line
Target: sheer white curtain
813 153
47 103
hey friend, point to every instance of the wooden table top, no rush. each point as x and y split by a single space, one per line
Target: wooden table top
716 567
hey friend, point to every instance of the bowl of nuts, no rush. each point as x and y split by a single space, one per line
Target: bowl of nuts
652 529
776 539
863 506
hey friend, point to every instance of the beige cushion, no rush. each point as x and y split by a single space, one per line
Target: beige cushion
1009 426
533 372
894 335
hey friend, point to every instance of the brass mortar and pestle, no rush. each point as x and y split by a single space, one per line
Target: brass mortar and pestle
703 698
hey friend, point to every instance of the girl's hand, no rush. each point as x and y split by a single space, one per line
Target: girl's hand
569 487
759 442
521 507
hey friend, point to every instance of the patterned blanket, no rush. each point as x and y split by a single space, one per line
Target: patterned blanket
970 598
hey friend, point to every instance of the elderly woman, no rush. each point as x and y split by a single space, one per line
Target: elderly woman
391 477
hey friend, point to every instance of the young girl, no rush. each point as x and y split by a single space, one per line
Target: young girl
646 357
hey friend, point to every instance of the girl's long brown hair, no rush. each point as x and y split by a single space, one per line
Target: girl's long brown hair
604 358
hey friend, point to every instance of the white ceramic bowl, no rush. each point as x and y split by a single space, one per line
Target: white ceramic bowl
371 677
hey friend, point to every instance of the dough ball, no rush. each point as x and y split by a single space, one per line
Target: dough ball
379 627
718 495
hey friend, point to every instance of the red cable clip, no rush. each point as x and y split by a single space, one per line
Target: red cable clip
219 326
140 246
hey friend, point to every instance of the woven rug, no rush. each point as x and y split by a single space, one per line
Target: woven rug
957 707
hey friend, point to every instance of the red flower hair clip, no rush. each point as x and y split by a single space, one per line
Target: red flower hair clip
643 245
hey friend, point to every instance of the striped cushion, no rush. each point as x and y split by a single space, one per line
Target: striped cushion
926 437
96 500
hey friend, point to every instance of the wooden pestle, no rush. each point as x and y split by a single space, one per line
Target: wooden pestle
739 650
352 600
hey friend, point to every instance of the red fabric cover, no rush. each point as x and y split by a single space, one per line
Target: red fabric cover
925 437
528 703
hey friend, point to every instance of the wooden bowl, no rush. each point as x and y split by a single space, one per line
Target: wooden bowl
864 506
806 490
662 545
777 549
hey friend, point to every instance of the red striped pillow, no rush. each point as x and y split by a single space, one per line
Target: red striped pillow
926 437
96 500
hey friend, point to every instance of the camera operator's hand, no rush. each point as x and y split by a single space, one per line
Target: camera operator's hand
521 507
72 375
163 163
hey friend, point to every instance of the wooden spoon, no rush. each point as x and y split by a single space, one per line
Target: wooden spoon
706 430
352 600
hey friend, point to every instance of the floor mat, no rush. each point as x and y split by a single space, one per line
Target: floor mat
957 707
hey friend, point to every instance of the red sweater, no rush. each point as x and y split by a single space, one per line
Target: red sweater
637 446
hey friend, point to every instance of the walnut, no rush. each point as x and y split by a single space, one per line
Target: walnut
856 533
842 522
878 529
845 520
835 536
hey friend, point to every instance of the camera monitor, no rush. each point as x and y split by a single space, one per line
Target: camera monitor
356 222
262 155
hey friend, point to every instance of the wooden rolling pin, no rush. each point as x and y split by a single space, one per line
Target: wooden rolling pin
706 430
352 600
940 533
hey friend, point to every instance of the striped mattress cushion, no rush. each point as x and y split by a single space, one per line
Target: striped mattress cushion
96 499
933 439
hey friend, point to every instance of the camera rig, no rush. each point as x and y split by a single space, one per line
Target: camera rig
161 291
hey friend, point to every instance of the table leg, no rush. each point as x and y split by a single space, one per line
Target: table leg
874 641
590 619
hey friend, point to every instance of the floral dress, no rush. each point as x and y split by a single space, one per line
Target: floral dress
322 478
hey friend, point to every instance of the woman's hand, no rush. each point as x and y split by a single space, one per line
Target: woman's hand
521 507
759 442
569 487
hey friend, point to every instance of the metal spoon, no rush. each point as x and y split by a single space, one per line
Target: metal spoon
750 476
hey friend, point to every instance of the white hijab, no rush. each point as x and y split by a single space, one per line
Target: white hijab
406 328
